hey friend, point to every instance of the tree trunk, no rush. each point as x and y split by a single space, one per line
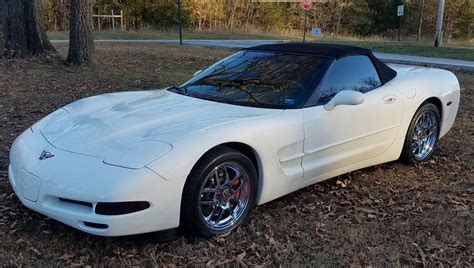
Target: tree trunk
339 16
22 31
81 40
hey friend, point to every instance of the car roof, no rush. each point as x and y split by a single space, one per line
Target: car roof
329 50
325 50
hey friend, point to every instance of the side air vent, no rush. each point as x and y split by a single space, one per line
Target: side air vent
96 225
75 202
120 208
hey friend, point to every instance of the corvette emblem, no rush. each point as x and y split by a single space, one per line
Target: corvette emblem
45 155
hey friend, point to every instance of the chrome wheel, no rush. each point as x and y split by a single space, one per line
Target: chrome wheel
224 195
425 135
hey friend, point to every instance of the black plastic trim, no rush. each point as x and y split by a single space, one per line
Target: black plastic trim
76 202
120 208
96 225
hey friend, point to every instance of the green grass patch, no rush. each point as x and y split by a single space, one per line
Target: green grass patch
418 49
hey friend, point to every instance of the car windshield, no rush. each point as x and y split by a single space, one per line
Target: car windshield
259 79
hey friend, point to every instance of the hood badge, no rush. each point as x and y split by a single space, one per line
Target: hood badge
45 155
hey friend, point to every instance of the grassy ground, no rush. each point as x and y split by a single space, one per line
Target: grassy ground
162 35
464 52
390 214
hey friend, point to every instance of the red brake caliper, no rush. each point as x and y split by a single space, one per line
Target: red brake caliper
236 183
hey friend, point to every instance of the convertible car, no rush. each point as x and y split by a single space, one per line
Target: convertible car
257 125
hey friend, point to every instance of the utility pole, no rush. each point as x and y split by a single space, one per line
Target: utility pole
121 20
421 21
307 4
439 24
180 24
113 20
399 27
304 30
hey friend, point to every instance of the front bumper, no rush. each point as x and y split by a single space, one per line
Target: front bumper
42 185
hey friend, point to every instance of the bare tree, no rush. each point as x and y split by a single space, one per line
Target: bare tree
22 31
81 40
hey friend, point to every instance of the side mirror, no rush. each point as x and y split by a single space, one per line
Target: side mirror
345 97
197 72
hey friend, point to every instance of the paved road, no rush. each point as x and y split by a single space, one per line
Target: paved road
388 58
463 65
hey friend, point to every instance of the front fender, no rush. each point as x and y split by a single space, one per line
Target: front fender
276 139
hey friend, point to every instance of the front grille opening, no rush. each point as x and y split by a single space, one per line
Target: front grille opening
75 202
120 208
96 225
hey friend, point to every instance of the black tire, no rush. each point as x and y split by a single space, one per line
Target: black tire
408 156
192 221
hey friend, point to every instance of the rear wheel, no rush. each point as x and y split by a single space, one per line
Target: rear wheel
219 193
422 135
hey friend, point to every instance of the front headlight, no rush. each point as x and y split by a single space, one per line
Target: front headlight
136 154
56 116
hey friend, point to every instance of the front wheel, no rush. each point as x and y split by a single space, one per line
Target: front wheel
422 135
219 193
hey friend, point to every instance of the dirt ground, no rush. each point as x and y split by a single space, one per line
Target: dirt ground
390 214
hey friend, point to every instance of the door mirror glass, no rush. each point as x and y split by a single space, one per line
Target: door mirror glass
197 72
345 97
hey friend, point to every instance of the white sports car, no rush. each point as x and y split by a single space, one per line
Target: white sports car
253 127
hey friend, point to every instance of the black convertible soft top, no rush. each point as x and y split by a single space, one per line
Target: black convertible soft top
330 50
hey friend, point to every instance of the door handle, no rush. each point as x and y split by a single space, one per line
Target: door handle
389 99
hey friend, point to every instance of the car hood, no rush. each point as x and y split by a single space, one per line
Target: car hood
132 129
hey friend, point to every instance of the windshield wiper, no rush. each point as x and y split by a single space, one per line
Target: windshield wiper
179 90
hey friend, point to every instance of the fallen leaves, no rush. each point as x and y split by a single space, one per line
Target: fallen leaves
390 214
66 256
241 256
420 252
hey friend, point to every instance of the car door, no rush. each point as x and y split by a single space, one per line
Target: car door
349 134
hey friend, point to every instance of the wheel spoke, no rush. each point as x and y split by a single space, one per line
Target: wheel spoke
421 121
233 214
206 202
432 130
417 148
432 122
226 176
221 213
236 175
208 190
208 218
425 120
218 178
213 179
235 191
418 128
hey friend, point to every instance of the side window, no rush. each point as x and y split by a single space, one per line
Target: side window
350 73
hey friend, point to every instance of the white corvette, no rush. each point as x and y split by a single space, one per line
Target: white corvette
255 126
